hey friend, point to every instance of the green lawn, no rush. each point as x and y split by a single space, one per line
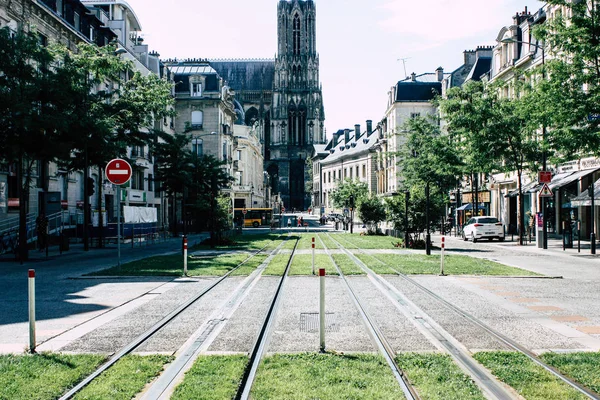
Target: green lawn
581 367
212 378
247 242
367 241
437 377
277 265
305 242
43 376
172 265
346 264
125 379
325 376
330 244
302 264
453 265
529 379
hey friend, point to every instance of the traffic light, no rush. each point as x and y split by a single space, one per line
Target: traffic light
90 186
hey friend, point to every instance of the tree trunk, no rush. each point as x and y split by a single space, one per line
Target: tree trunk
100 218
520 215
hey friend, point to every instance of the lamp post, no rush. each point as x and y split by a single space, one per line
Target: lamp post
406 199
427 236
251 194
508 40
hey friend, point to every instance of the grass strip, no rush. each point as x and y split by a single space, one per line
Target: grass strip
125 379
245 242
277 265
325 376
437 377
250 266
212 378
330 244
302 264
172 265
453 265
368 241
583 367
528 379
346 264
377 266
305 242
43 376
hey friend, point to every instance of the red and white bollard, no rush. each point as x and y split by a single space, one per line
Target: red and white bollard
185 255
313 255
322 309
31 311
442 257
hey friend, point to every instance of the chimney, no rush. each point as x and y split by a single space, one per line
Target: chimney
336 137
413 77
356 132
347 135
469 57
439 72
369 127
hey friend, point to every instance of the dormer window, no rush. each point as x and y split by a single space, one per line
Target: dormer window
353 144
196 90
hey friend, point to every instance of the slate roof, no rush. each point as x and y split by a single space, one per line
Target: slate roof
417 91
482 66
363 145
243 75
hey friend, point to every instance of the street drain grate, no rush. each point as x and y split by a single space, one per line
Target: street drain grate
309 322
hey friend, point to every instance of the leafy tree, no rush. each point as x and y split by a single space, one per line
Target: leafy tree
349 193
33 111
569 98
371 211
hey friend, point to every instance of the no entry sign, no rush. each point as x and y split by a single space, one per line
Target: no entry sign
118 171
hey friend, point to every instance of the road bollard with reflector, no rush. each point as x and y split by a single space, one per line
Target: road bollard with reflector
442 256
322 310
185 255
313 255
32 311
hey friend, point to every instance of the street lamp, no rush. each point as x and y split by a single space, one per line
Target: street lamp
251 194
508 40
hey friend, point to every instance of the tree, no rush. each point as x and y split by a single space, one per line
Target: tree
569 98
348 192
371 211
33 111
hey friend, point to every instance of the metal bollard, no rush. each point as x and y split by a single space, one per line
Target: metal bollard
322 310
442 256
31 310
185 249
313 255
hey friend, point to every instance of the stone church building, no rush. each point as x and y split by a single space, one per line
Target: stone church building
282 97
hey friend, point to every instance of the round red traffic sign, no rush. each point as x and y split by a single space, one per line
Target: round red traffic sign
118 171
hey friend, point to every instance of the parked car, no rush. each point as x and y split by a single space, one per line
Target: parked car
335 217
483 228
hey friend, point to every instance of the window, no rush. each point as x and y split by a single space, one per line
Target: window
414 115
150 182
77 21
198 147
196 89
197 119
224 151
357 171
329 176
364 171
296 35
239 155
137 180
59 7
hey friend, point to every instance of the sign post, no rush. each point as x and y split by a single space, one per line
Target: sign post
322 310
442 256
313 255
118 172
31 275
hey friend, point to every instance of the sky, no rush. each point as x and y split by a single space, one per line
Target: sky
364 46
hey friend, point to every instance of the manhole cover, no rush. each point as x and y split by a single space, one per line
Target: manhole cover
309 322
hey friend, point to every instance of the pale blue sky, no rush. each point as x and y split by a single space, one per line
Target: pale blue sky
359 41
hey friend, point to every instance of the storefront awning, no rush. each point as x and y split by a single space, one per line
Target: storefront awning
469 206
558 181
526 188
584 198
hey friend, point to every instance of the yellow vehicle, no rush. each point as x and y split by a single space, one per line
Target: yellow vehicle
254 217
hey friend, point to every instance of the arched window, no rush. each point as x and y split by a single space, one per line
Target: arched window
296 35
197 119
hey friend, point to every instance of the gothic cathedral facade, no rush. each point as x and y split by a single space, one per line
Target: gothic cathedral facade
297 114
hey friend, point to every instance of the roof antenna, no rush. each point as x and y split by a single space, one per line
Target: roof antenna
404 65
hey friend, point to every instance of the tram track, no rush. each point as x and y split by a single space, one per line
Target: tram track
156 327
376 334
463 358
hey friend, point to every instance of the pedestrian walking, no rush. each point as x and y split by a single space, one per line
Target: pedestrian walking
42 231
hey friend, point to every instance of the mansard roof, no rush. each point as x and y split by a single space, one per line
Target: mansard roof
339 149
241 75
422 87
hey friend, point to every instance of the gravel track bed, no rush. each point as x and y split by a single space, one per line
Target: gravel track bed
241 331
112 336
301 295
177 332
525 332
400 333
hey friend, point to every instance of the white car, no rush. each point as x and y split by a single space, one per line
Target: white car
483 228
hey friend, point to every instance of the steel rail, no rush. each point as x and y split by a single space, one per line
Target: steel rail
151 331
501 337
374 331
245 386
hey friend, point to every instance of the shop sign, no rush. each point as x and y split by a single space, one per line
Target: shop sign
483 197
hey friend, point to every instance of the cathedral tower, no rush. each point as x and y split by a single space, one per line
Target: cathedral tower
297 106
